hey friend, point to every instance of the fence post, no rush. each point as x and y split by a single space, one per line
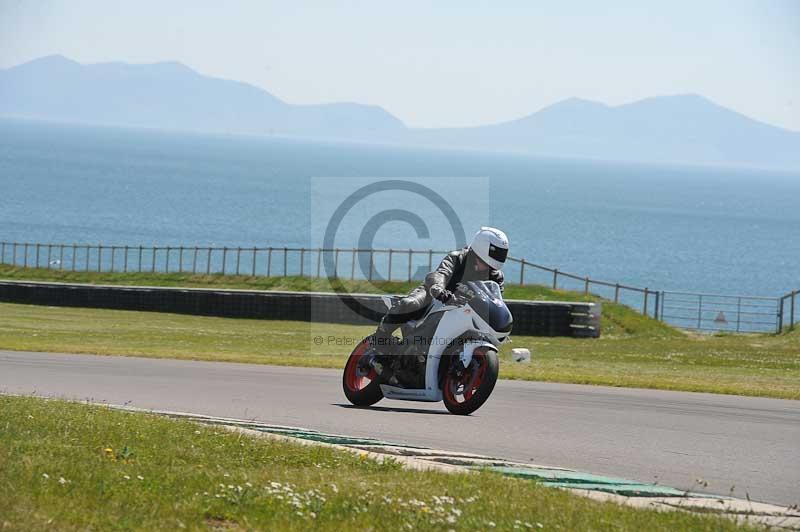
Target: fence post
390 264
302 262
319 260
658 300
646 293
699 311
113 252
224 258
99 257
208 259
37 255
522 273
73 256
14 254
409 265
194 261
253 269
61 257
25 258
125 261
180 260
353 266
738 313
140 260
780 314
3 253
285 261
336 263
555 279
791 311
269 262
153 264
49 253
430 259
586 287
371 263
238 258
167 265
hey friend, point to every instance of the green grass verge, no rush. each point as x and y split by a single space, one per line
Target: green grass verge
68 466
617 319
758 365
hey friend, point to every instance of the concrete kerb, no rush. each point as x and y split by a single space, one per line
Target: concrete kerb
740 510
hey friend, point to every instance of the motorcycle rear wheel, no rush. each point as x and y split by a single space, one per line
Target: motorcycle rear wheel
465 394
361 387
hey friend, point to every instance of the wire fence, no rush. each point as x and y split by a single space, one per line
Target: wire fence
347 263
715 312
683 309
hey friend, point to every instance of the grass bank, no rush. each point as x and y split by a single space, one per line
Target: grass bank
646 356
294 283
67 466
617 319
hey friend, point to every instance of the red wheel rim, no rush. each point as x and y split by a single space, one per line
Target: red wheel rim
355 381
461 389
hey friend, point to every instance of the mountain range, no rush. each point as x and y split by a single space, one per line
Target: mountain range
685 129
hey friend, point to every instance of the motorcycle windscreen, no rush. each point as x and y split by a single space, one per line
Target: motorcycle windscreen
488 303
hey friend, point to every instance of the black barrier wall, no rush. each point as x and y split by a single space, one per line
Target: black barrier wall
534 318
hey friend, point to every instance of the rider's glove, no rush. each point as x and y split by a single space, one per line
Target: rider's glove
442 294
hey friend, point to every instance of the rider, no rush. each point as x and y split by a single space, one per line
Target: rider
482 260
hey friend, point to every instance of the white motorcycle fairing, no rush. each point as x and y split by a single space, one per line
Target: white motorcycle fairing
455 320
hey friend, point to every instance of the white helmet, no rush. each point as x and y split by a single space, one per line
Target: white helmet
491 245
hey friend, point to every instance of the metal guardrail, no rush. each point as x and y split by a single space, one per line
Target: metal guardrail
365 264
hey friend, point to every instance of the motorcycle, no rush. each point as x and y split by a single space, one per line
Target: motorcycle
450 354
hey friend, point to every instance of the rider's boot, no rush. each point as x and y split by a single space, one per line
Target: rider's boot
384 339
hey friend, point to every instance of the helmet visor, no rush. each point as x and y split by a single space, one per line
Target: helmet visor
498 254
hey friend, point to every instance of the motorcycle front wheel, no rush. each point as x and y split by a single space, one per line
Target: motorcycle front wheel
360 383
466 393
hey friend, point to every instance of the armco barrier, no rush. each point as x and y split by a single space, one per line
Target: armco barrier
535 318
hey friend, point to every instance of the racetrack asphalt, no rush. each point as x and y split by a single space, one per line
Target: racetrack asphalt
674 438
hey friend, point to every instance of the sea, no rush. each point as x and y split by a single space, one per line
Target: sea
665 227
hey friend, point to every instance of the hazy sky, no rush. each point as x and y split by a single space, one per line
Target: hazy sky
448 64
